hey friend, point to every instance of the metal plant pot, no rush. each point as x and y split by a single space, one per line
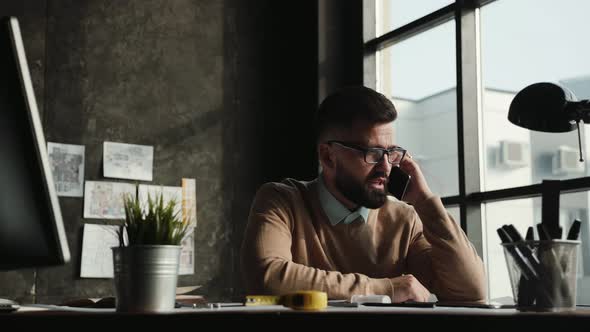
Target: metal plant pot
145 277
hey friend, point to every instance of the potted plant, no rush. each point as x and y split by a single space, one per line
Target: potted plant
146 261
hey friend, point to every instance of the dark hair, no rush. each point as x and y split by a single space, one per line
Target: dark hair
351 104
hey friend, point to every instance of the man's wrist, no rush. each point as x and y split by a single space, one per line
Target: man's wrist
382 286
423 198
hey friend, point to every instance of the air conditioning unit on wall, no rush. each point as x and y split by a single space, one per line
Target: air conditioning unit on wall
566 160
513 154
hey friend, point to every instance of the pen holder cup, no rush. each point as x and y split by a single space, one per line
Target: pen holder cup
543 274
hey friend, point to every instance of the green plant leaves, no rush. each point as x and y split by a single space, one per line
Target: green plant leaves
156 224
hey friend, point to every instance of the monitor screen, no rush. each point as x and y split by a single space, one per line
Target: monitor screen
31 227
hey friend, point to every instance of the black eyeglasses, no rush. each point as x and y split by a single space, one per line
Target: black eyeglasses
374 155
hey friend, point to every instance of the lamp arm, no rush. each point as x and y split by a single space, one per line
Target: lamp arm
579 111
580 141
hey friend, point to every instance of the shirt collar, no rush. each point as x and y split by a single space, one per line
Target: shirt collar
335 210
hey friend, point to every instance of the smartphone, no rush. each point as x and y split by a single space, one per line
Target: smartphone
398 182
401 304
491 305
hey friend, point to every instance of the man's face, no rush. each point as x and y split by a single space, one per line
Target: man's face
360 182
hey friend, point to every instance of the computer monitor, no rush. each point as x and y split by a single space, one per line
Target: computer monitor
31 226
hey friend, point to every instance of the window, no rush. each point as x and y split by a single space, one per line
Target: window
392 14
544 48
524 213
419 75
452 69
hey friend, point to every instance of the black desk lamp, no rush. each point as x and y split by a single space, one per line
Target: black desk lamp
549 107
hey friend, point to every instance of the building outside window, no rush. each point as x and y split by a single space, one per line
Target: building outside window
452 69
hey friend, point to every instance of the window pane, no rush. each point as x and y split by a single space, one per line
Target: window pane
518 50
455 213
519 213
419 76
392 14
575 206
523 213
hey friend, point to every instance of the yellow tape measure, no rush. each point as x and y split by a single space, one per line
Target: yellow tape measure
301 300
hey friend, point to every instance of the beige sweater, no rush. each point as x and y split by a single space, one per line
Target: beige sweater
290 245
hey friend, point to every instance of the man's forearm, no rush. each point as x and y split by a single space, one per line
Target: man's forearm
458 270
281 276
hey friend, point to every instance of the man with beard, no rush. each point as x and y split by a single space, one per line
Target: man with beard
343 234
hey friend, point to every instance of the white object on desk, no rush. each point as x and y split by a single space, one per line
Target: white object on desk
370 299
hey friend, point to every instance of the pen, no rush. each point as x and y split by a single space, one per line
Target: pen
532 259
542 231
225 305
544 235
550 233
526 288
526 269
574 230
530 236
555 268
207 305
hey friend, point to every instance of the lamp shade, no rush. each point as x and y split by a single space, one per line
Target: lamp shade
543 107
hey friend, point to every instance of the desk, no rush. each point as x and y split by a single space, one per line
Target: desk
361 319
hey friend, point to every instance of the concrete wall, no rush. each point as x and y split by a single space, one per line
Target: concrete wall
224 90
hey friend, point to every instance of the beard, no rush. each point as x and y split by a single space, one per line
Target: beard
358 191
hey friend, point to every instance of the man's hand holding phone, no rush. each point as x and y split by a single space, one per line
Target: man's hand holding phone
398 183
417 189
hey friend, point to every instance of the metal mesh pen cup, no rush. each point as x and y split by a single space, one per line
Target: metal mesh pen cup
543 274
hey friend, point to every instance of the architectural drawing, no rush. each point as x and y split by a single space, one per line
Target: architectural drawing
128 161
97 256
104 200
67 166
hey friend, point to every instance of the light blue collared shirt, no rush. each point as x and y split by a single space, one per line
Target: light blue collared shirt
335 210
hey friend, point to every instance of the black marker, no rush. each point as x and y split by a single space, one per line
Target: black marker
543 233
530 236
574 232
526 269
526 251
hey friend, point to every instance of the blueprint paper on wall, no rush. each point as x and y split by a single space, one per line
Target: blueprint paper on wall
189 201
97 255
104 200
67 166
189 211
187 254
128 161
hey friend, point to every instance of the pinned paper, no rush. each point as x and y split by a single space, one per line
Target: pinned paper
187 254
168 193
97 255
104 200
189 201
128 161
67 166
